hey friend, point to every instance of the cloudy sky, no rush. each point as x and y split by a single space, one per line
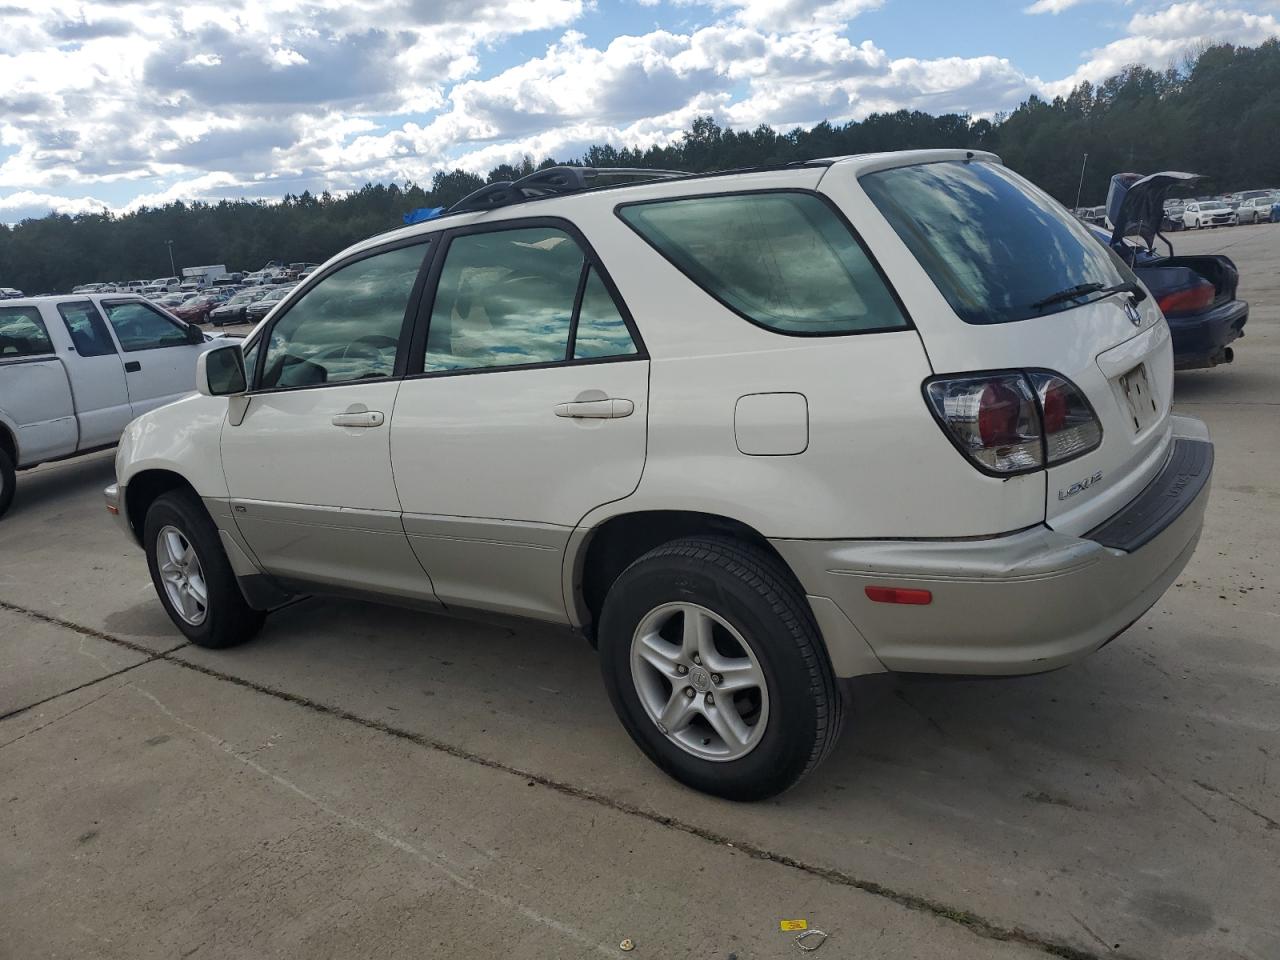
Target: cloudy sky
119 103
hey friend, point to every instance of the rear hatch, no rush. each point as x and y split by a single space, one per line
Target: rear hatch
1022 285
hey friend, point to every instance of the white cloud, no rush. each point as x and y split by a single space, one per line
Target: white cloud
1051 6
28 203
1164 37
243 98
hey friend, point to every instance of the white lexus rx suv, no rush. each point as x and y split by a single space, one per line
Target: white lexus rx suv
751 433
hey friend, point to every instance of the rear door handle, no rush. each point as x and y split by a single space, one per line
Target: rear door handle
366 418
608 409
132 366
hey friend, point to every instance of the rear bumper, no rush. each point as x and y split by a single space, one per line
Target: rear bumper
1023 603
1201 340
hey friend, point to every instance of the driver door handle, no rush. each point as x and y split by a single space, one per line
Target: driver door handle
608 409
366 418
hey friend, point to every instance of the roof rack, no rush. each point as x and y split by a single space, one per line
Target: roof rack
549 182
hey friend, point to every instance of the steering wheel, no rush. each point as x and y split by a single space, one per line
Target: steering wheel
367 348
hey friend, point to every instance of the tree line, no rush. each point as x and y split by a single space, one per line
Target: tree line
1216 114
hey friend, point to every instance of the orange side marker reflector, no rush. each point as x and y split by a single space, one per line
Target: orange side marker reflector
899 595
111 509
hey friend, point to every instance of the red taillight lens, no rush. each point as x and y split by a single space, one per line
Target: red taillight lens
1188 300
999 410
992 419
997 423
1070 425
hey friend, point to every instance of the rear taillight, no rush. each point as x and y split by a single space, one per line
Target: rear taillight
1191 299
1070 425
1015 422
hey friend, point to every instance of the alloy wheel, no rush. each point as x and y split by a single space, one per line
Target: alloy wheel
699 681
182 575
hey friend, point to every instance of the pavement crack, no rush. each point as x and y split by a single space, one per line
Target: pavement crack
1089 930
61 716
978 925
1210 788
1199 809
433 859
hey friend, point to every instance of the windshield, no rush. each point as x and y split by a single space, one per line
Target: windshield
1251 194
996 247
1213 205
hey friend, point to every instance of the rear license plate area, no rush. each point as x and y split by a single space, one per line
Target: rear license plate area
1142 407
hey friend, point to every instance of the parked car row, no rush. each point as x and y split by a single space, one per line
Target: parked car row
198 280
1248 206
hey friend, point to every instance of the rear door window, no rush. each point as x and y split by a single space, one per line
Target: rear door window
783 260
22 333
518 297
994 245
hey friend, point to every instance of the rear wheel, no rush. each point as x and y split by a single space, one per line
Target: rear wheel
716 669
192 575
8 480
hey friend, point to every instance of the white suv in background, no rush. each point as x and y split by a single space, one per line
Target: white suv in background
751 433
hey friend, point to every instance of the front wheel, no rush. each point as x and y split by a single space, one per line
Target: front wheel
716 669
192 575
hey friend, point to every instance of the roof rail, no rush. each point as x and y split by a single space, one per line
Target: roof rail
551 181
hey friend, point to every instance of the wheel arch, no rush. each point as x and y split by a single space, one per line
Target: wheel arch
143 490
597 554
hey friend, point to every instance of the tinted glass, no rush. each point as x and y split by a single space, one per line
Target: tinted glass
251 360
993 244
347 327
601 330
88 332
783 260
225 371
139 326
22 333
504 299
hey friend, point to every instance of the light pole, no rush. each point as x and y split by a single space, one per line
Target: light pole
174 270
1080 188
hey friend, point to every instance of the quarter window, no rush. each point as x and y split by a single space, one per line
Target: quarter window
783 260
347 327
601 331
139 326
508 298
88 333
22 333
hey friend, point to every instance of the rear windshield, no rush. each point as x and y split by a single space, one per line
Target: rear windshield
781 259
994 245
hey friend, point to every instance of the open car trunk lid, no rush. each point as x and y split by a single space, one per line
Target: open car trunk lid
993 246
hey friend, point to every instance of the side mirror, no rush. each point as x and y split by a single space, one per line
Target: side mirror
220 372
194 334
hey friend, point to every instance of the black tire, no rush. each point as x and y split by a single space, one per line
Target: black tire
228 619
8 480
746 587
